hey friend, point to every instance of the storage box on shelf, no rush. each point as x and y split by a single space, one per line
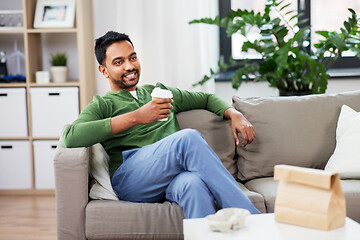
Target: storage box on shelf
44 151
15 165
31 113
52 108
13 120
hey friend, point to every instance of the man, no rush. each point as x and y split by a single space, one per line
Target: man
152 160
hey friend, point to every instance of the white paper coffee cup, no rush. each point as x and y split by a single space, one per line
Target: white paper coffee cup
161 93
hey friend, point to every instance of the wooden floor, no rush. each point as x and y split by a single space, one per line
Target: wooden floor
27 217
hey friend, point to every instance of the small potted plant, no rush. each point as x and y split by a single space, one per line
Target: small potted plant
59 68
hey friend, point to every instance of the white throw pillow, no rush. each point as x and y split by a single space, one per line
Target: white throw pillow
99 170
346 157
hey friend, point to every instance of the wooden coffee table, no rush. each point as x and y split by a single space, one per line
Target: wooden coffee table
264 226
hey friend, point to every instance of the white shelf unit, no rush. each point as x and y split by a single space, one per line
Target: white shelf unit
37 44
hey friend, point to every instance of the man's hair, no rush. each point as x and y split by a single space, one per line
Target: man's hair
102 43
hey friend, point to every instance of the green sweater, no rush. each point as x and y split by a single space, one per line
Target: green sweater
93 123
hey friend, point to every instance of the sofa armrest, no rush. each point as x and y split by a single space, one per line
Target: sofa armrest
71 191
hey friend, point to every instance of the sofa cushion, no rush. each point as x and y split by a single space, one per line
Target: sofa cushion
217 133
267 188
106 219
290 130
346 157
351 189
99 170
256 198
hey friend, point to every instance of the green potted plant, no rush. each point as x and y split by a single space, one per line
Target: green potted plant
287 62
59 68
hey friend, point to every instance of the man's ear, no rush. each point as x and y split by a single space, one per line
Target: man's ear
103 70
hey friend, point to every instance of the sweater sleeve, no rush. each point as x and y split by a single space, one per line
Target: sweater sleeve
91 127
185 100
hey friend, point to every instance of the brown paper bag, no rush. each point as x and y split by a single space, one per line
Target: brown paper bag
309 198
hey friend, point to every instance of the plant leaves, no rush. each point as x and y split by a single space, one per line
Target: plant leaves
215 21
286 63
325 34
285 6
347 26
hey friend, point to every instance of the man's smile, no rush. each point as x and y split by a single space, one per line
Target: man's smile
130 75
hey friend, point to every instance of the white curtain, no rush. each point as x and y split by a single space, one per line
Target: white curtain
170 50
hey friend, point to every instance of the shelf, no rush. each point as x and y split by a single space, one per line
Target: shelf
11 85
7 30
14 138
37 45
52 30
27 138
45 138
52 84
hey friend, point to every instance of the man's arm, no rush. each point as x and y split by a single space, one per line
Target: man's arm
240 124
185 100
150 112
94 125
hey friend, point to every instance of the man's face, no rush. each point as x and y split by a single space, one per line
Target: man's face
121 66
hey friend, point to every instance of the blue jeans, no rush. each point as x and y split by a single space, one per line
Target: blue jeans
180 168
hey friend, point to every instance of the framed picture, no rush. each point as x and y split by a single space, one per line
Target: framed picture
54 14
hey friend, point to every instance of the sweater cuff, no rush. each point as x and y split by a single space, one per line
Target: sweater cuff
107 127
222 114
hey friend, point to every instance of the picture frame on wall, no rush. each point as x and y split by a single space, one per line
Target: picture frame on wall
54 14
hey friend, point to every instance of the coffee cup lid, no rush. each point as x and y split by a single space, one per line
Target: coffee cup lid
161 93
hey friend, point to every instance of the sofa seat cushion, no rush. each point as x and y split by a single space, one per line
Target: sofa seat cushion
267 187
256 198
296 131
216 131
351 189
108 219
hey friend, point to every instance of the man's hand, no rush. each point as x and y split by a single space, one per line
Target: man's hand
240 124
150 112
154 110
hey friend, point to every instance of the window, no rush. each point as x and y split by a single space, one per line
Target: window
320 15
321 19
237 40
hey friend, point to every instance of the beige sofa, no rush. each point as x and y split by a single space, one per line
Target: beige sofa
297 131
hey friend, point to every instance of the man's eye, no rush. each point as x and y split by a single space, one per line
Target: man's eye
134 58
118 62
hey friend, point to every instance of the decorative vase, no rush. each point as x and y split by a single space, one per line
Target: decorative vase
59 73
